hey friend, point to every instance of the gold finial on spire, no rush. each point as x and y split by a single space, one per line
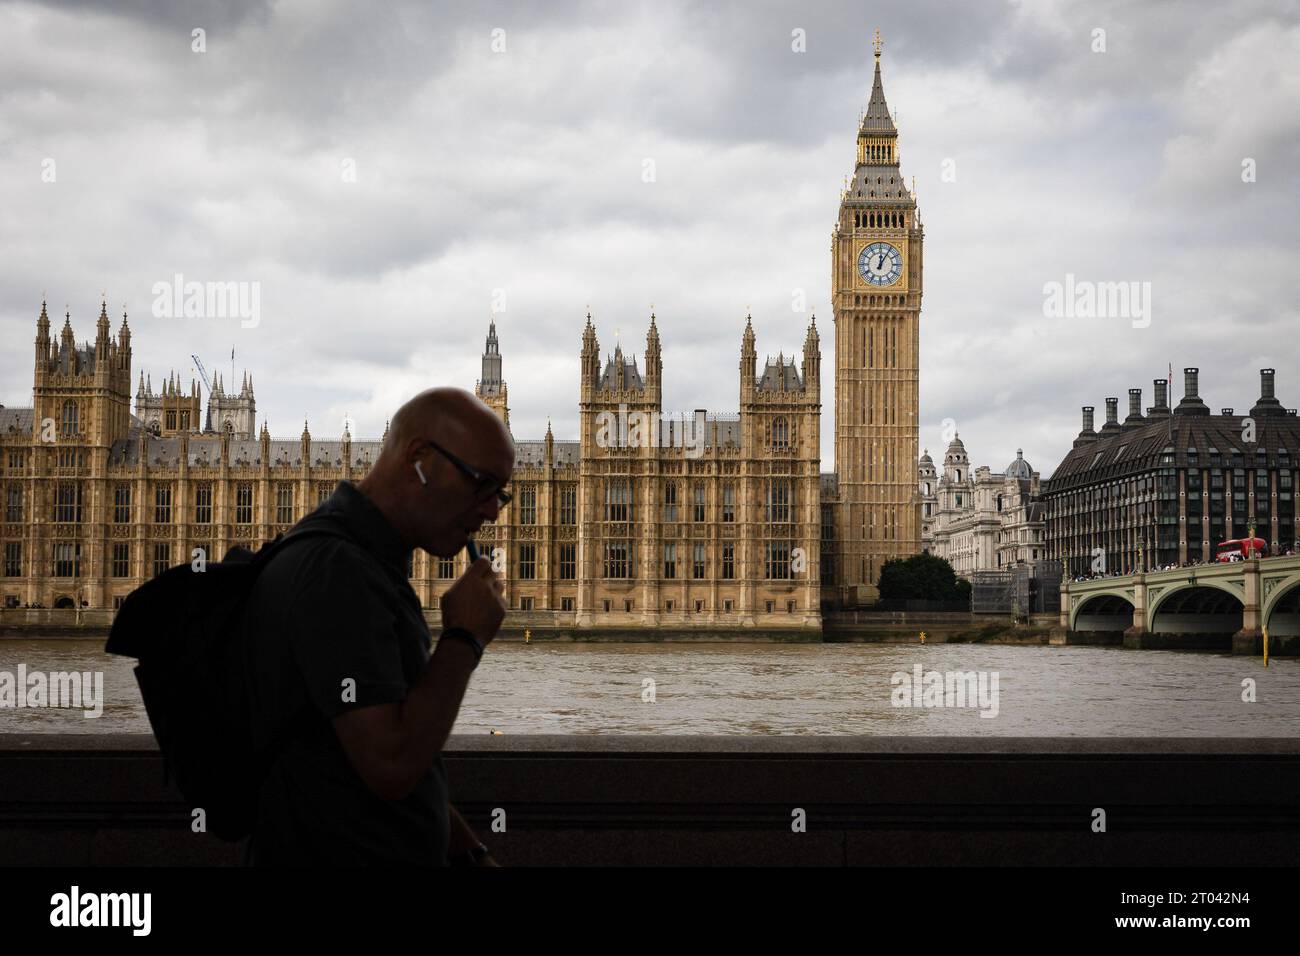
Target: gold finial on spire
875 42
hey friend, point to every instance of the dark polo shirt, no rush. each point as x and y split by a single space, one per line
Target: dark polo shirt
325 611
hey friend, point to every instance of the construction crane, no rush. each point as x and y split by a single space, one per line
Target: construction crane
203 374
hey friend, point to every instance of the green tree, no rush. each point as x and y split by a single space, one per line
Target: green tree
922 577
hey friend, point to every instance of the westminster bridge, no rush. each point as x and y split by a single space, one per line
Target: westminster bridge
1221 605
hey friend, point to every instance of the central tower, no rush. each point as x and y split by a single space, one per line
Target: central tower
876 283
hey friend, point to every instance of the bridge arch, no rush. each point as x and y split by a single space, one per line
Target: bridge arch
1280 608
1206 606
1103 611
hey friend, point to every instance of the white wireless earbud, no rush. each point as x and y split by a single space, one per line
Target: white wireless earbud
420 471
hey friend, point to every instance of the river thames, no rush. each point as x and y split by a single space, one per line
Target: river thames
744 689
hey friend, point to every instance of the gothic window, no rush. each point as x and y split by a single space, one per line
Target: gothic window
777 565
670 560
527 562
162 504
122 504
121 559
728 562
618 559
779 501
700 497
14 503
568 562
697 565
780 433
670 501
203 504
69 424
728 502
244 502
618 497
284 503
528 504
67 559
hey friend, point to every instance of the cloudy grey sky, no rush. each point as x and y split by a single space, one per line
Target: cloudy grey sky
518 173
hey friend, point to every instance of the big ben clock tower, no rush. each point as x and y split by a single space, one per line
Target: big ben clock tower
876 290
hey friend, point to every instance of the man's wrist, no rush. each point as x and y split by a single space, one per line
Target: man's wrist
462 635
475 856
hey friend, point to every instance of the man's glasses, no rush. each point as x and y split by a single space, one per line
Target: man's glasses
485 485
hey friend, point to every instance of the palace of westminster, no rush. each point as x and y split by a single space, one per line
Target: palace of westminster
742 529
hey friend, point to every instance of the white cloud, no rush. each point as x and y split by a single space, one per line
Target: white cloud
523 171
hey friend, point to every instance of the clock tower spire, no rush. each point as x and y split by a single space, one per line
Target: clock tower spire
876 289
491 387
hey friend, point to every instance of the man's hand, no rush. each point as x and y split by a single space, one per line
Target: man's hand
461 838
475 602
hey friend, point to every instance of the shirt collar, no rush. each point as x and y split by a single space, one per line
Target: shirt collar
368 524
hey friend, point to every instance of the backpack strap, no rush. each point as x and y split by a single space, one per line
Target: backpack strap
306 719
320 529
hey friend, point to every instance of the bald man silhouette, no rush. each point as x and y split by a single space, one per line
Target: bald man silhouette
341 664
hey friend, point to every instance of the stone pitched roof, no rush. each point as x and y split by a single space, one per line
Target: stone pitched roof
17 420
533 453
631 375
780 376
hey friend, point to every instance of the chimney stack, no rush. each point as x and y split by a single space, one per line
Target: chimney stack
1191 403
1161 408
1112 416
1087 434
1134 407
1268 403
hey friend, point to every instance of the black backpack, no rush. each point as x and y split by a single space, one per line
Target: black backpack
187 630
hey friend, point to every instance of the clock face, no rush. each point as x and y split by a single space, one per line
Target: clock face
880 264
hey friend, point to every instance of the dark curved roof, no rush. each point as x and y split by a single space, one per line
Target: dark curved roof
1139 449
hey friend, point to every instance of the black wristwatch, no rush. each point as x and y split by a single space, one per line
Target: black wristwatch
461 634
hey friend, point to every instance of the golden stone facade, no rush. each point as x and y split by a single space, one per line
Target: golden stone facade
876 283
712 520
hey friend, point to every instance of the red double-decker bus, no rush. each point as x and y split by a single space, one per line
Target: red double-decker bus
1239 548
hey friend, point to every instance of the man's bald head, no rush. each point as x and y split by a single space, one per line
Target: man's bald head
429 499
443 413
